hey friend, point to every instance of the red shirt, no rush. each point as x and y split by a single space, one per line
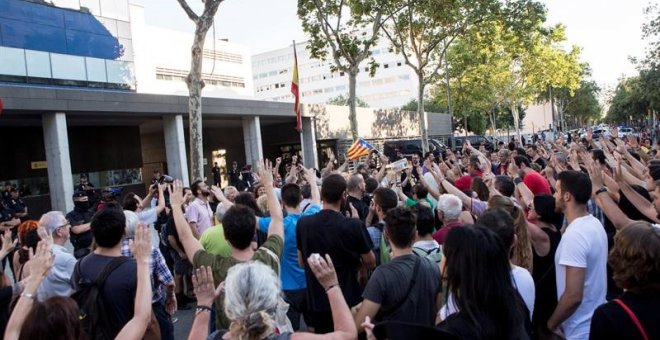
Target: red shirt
536 183
440 235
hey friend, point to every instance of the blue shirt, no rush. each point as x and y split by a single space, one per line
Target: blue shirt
293 277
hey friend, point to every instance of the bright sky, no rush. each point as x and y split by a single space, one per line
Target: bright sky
609 31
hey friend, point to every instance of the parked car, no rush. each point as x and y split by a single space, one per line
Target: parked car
408 147
456 143
626 131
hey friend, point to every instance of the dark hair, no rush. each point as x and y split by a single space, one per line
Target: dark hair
501 223
248 200
425 219
370 184
195 187
480 188
599 156
577 183
631 210
354 181
478 275
544 206
635 258
386 198
130 202
420 191
291 194
57 318
333 188
400 226
239 226
504 184
108 226
521 160
305 191
427 154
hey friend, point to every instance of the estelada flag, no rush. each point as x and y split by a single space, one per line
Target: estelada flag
358 149
295 90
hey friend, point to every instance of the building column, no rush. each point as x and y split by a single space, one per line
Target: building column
175 148
308 143
252 140
60 180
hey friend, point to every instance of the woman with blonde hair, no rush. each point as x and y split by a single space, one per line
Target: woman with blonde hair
521 254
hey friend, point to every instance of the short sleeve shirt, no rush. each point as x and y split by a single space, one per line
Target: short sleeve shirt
213 240
200 213
269 254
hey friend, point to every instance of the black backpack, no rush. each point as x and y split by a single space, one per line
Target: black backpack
96 320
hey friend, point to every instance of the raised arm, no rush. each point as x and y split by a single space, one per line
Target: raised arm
310 176
451 189
384 161
137 326
605 202
190 243
276 226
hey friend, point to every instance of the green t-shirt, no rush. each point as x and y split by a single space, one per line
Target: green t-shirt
429 201
220 266
213 241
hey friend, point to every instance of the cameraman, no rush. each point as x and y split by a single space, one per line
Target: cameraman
142 207
79 218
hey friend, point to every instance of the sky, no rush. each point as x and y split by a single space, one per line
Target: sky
608 31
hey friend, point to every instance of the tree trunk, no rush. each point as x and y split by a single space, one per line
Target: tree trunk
491 115
352 100
516 121
420 115
195 86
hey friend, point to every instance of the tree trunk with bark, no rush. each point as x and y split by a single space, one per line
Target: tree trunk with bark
420 115
352 101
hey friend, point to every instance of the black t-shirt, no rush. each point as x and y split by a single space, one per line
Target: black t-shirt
171 231
544 280
345 239
359 204
118 291
391 281
610 321
84 239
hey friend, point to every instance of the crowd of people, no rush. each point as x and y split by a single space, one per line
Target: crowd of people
547 240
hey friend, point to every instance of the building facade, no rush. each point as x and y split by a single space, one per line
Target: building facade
393 85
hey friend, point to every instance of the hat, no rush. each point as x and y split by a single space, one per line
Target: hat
464 183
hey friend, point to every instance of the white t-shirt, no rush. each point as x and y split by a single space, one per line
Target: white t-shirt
522 281
583 245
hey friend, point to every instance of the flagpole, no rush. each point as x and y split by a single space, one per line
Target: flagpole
297 107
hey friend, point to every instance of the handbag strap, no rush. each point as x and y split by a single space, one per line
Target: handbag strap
633 317
413 278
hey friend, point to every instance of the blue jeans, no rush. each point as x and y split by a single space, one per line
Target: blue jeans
164 320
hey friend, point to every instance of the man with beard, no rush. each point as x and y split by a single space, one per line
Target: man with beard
346 241
80 217
199 213
580 259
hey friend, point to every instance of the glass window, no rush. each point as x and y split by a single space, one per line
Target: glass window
38 64
96 70
119 72
13 61
68 67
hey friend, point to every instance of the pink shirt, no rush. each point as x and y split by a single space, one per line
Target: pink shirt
200 213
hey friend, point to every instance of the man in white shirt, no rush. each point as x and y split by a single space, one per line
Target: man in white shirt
580 260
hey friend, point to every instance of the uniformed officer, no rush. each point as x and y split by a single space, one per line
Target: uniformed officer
16 203
80 218
85 185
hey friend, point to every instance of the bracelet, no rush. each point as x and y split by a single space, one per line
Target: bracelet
601 190
29 296
202 308
332 286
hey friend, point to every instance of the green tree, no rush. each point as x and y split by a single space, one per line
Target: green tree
342 100
628 102
429 105
582 106
348 29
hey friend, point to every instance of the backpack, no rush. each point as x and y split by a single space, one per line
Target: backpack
435 254
94 316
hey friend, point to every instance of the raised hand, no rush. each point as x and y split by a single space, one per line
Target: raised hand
7 244
176 193
265 172
141 246
205 290
323 270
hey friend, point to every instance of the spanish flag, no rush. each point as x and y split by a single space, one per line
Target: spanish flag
295 90
358 149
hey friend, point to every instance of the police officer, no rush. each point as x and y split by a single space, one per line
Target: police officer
79 218
85 185
16 203
7 217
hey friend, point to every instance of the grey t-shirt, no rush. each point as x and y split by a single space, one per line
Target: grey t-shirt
390 282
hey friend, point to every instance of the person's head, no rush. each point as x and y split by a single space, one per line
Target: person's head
81 201
157 174
400 227
449 208
503 156
247 199
262 203
630 209
384 200
252 292
635 258
291 195
415 159
28 237
132 202
200 189
333 189
522 163
480 188
231 192
356 184
259 190
419 192
473 164
504 184
132 221
58 319
370 184
531 151
56 225
234 164
425 220
238 224
83 179
501 223
429 156
522 251
573 188
108 227
543 209
477 272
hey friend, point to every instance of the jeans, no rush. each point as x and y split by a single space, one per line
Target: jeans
164 320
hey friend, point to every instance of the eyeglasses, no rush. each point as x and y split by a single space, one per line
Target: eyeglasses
64 225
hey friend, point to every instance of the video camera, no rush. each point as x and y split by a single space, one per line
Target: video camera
162 179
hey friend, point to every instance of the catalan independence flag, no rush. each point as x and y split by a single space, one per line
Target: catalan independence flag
295 90
358 149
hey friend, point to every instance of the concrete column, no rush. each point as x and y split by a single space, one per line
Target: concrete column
60 180
308 143
252 140
175 148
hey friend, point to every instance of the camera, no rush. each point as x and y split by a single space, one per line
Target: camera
162 179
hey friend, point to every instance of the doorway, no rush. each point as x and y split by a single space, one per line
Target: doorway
220 157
